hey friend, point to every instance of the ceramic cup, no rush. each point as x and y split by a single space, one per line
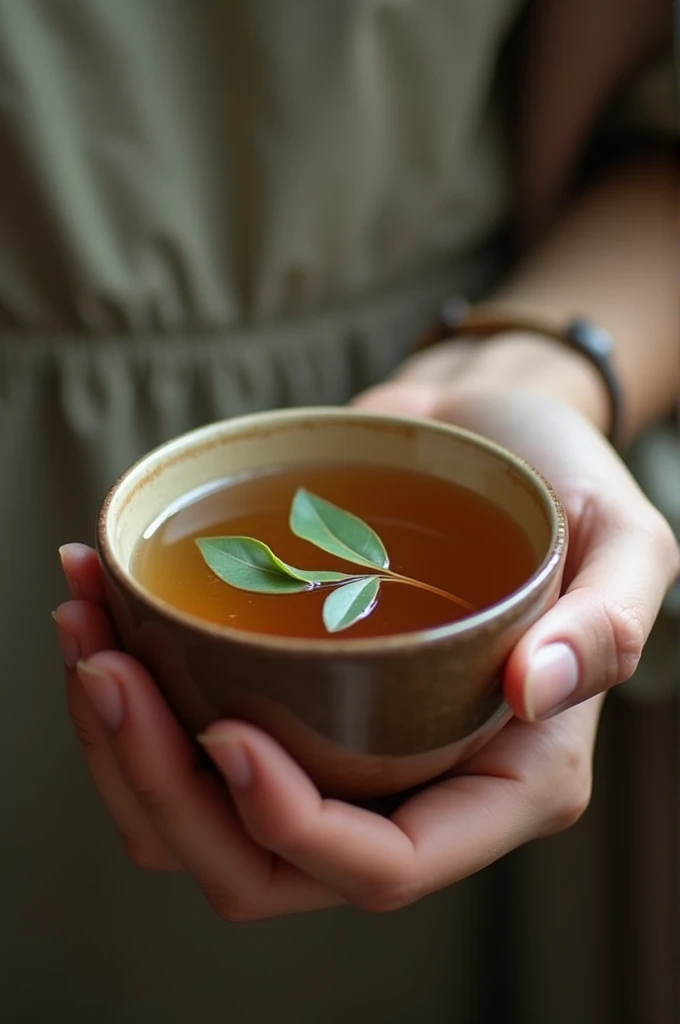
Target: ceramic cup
364 717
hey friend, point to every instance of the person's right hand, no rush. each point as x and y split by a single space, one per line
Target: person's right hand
548 404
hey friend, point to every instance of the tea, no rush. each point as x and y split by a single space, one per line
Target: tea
435 531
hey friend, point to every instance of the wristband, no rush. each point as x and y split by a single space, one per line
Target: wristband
457 318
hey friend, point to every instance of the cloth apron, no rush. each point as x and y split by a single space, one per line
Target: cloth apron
208 209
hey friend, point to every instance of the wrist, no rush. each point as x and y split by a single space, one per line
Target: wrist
534 362
527 349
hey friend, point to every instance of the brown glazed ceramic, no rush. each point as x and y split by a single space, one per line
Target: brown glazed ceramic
363 717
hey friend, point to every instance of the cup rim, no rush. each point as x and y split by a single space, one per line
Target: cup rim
158 457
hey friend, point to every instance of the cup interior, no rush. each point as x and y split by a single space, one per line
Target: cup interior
167 477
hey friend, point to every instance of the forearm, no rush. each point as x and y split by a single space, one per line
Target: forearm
612 257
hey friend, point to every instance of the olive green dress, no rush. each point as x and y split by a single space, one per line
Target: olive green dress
210 208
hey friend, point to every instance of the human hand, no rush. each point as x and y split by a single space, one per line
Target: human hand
268 844
622 554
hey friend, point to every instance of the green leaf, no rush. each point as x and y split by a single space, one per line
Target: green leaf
338 532
350 603
249 564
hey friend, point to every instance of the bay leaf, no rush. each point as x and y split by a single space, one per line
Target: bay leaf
248 564
350 603
336 531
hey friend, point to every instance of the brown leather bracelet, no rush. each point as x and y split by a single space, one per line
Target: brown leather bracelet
457 319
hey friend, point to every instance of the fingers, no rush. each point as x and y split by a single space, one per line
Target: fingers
171 816
85 629
623 555
352 850
186 805
592 639
282 848
529 782
83 573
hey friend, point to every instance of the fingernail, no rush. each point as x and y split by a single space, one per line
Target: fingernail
231 758
69 582
70 648
551 680
104 693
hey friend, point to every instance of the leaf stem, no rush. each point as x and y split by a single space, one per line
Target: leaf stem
387 576
398 578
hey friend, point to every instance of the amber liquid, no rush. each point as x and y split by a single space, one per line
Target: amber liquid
434 531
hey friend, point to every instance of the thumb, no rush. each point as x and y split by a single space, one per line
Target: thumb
593 637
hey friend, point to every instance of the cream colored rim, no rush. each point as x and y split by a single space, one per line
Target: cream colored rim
154 461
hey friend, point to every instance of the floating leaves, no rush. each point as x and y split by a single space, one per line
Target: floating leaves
350 603
249 564
336 531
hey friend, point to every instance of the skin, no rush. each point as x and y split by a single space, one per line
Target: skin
265 843
270 845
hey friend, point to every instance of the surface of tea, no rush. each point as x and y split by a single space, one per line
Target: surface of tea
434 531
